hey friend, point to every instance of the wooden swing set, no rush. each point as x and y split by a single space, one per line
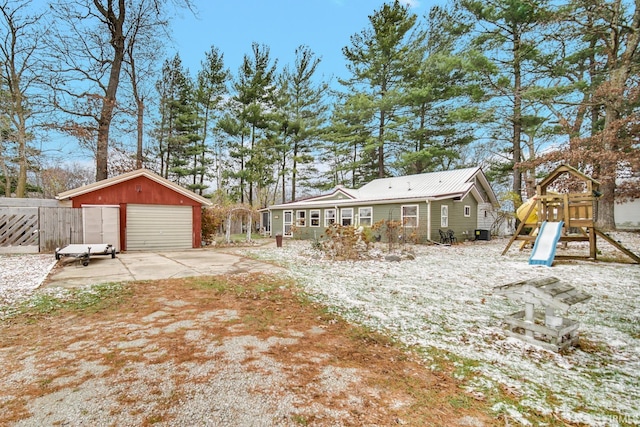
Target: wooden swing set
574 209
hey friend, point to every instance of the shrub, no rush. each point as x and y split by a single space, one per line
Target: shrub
345 242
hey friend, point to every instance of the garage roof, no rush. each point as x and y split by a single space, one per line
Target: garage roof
131 175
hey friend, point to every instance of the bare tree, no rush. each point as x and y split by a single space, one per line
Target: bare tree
90 47
143 52
53 180
21 38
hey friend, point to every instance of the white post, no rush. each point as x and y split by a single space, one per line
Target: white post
528 317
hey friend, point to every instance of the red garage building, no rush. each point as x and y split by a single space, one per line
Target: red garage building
139 210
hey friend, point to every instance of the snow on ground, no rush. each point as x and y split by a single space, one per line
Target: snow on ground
444 299
21 275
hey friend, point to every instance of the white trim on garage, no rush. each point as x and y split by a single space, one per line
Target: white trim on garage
159 227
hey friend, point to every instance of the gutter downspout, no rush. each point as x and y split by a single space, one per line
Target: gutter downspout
429 219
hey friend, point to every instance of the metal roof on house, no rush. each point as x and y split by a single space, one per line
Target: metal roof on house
131 175
434 185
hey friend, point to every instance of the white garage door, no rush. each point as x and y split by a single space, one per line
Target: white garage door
159 227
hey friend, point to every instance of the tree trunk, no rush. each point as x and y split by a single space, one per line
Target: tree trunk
621 69
294 171
7 177
140 112
109 102
21 187
381 173
517 118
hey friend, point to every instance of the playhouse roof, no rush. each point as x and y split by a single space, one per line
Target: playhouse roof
562 169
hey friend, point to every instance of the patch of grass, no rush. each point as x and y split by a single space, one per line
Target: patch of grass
369 336
259 322
255 286
154 419
300 419
460 401
90 299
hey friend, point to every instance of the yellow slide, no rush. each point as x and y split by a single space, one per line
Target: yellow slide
521 212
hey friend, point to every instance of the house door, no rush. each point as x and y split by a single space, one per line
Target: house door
265 223
287 223
101 224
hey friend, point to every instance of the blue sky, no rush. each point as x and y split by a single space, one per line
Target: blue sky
325 26
232 26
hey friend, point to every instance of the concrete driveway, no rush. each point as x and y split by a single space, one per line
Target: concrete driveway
153 266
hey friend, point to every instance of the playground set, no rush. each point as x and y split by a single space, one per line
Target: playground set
566 217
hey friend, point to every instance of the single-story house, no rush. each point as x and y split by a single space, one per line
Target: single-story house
460 200
139 210
627 212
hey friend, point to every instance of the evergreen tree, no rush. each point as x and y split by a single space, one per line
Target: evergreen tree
234 134
211 80
504 50
382 59
178 131
255 101
302 111
345 137
438 97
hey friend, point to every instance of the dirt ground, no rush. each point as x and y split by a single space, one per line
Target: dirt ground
236 350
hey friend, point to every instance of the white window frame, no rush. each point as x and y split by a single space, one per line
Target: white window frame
369 217
342 217
287 224
416 216
329 220
467 211
444 216
316 218
301 218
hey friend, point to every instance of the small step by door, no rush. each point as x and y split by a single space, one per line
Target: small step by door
101 224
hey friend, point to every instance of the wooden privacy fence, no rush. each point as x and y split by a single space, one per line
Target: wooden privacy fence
39 229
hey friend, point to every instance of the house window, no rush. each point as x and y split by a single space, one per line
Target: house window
410 216
467 211
444 216
287 222
365 215
346 216
314 217
329 217
301 218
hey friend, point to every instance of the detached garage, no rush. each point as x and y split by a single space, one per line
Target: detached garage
151 212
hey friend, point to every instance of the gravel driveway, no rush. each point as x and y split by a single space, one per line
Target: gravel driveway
241 350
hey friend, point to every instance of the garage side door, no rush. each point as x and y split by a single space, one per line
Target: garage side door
101 224
159 227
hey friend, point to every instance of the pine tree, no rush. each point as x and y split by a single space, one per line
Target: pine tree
302 111
381 59
178 131
255 100
505 45
438 97
211 80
